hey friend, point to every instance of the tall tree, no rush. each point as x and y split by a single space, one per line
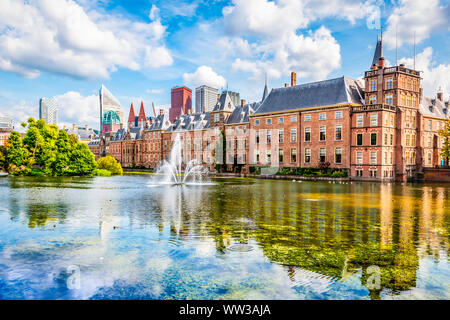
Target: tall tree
445 133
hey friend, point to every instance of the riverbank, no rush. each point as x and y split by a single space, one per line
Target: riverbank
278 177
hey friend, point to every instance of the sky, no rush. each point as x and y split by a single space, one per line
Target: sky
141 49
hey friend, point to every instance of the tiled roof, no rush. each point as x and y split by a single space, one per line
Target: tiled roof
241 114
323 93
196 121
434 108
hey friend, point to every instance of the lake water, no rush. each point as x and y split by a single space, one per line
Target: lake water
124 238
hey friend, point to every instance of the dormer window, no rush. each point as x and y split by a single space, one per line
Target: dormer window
431 108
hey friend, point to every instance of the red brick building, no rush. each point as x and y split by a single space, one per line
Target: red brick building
181 102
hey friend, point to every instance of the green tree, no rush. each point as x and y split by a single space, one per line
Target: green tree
445 133
109 163
17 155
82 160
3 158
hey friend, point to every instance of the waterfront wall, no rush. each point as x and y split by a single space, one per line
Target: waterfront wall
436 174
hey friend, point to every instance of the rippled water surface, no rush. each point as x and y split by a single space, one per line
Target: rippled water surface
125 238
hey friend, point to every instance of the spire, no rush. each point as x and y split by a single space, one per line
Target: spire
131 116
141 119
266 91
379 52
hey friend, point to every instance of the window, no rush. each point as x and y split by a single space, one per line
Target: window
385 158
360 120
392 139
307 155
338 132
281 136
408 140
359 173
323 134
269 136
359 139
293 155
389 83
280 120
269 155
385 139
359 157
257 122
338 155
322 116
373 85
429 157
373 119
268 121
389 99
429 142
322 154
307 134
338 115
294 119
257 156
373 99
257 137
281 156
217 118
373 139
429 125
293 134
373 173
373 157
307 117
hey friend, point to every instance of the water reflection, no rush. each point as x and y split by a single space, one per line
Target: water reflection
236 239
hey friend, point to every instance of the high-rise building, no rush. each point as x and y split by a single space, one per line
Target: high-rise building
6 126
181 102
48 110
235 97
111 114
205 98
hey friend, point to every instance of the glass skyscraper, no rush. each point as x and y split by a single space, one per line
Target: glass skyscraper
48 110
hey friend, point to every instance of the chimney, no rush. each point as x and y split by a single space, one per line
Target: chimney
381 62
440 96
74 127
293 79
161 111
286 85
86 127
402 65
121 125
374 67
243 102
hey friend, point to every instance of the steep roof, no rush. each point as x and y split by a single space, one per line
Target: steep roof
241 114
265 92
379 52
225 103
161 122
323 93
142 113
196 121
432 107
131 116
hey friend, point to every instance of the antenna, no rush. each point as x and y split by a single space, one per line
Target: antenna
414 50
396 44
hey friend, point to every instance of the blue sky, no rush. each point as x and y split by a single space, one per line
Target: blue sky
140 49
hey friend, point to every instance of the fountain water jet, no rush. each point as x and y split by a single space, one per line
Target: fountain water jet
171 170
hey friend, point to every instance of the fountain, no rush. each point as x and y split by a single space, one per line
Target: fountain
171 170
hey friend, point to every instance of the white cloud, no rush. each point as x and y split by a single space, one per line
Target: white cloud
62 37
434 76
204 75
75 108
421 17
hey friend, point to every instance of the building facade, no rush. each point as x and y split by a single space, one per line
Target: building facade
6 127
181 102
48 110
205 98
381 128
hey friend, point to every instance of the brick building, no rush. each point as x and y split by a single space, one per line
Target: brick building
381 128
180 102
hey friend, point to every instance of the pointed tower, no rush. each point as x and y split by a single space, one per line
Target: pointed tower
266 91
142 119
379 52
131 117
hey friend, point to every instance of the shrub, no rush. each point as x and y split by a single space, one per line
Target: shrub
112 165
102 173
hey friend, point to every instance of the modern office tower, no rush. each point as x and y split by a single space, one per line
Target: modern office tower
6 126
111 114
181 102
205 98
48 110
235 97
